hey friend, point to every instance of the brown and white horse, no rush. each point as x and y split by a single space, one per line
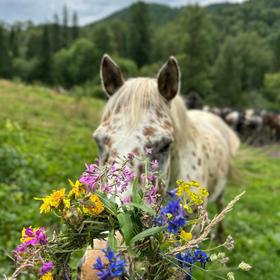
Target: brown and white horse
149 113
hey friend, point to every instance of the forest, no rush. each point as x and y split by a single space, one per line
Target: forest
228 53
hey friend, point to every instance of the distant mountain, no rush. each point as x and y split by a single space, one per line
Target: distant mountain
159 14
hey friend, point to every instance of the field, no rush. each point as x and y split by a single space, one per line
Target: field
45 138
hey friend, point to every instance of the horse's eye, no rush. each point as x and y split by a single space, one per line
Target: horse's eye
164 148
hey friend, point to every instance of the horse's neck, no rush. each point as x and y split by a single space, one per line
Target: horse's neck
186 142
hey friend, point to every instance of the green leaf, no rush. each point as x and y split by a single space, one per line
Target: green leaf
136 197
108 204
146 233
112 240
126 225
144 208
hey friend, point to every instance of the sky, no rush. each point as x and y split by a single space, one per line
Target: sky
88 10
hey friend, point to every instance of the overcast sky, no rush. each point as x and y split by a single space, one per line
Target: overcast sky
88 10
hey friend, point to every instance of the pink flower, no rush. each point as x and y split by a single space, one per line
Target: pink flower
151 195
41 236
126 200
46 267
154 164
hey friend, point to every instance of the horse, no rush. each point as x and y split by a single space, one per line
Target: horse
150 113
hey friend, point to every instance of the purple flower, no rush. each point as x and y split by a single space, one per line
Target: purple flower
41 236
151 195
29 232
128 174
150 178
154 164
21 248
46 267
90 177
126 199
113 168
106 188
90 168
130 156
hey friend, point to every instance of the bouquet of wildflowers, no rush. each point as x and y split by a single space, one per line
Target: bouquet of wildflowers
162 236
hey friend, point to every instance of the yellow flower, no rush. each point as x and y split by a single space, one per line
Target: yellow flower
46 206
53 201
195 198
169 215
183 187
194 183
96 206
56 198
47 276
66 202
186 236
77 189
188 208
203 192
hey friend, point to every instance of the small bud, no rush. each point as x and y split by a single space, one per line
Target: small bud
213 257
222 258
230 276
229 244
244 266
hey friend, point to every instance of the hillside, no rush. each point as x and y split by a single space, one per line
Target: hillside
45 138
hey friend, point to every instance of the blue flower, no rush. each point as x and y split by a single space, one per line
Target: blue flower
115 267
177 218
201 257
188 258
176 223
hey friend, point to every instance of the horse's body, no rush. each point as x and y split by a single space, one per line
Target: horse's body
144 112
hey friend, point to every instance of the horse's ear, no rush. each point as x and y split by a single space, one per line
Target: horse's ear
168 79
111 75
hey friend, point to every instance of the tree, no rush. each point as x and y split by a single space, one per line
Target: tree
103 39
13 41
75 26
33 43
56 35
256 59
227 69
44 67
139 34
271 89
77 64
198 47
65 29
5 58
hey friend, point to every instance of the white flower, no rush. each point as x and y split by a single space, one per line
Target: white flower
230 276
213 257
244 266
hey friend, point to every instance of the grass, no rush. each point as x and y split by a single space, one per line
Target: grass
46 138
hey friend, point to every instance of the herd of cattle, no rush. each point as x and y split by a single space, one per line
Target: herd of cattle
254 128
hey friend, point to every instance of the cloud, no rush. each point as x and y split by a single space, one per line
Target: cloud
88 10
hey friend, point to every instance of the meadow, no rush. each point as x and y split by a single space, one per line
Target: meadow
46 137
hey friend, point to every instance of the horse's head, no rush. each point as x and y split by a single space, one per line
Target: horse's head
137 116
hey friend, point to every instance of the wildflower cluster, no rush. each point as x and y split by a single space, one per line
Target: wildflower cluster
114 268
30 252
155 232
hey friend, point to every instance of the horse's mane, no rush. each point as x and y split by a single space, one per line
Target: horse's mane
138 95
